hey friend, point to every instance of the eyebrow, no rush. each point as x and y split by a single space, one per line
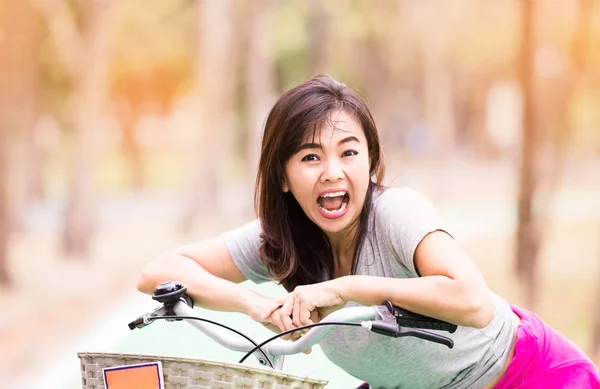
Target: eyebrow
318 145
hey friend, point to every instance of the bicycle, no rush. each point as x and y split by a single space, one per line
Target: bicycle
188 373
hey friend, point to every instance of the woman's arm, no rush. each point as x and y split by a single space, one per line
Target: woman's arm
210 275
451 287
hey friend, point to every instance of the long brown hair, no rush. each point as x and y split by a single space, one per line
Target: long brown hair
294 249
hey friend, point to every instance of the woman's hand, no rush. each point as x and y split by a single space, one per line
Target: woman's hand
307 304
260 305
262 308
280 321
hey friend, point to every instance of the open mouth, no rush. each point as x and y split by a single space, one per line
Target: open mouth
333 203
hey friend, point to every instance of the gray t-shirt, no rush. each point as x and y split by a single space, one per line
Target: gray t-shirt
402 218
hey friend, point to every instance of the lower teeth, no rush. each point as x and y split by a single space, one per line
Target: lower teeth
344 205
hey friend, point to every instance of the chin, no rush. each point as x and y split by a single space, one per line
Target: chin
334 226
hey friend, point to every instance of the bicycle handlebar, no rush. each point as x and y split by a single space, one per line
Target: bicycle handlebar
279 346
384 319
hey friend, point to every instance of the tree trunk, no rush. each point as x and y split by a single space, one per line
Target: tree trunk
318 37
90 84
580 52
5 278
28 185
260 90
16 68
596 326
438 97
129 114
35 157
215 82
528 232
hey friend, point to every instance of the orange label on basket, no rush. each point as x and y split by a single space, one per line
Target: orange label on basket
142 376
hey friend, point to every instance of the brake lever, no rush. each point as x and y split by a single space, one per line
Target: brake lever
406 318
391 321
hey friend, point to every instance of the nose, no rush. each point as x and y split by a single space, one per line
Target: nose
332 171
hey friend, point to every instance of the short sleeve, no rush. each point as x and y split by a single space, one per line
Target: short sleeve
404 217
243 244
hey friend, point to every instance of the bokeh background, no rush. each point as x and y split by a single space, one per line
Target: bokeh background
128 127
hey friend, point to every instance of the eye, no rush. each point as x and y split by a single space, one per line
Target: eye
310 158
349 153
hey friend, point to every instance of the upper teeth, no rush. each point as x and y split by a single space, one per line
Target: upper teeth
334 194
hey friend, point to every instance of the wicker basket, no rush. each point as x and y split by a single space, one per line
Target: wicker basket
187 373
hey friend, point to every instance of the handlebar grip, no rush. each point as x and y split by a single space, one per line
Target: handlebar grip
410 319
428 336
389 328
137 323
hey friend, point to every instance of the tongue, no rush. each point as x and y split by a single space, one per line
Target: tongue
331 203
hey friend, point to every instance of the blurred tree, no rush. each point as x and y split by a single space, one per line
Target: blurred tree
483 54
438 26
85 55
381 67
357 33
437 83
129 111
260 77
5 278
318 37
149 67
580 76
27 155
291 43
528 230
561 93
17 72
90 84
56 70
392 76
215 80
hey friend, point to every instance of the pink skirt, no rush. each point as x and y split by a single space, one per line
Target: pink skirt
545 359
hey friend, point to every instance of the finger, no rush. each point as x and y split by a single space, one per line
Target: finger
286 312
286 337
288 304
276 320
270 311
314 318
308 350
304 315
296 335
276 330
286 322
297 311
272 327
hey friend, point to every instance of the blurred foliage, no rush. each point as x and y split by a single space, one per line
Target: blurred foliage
384 48
153 42
151 60
56 84
290 43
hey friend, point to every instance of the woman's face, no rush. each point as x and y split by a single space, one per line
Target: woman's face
329 175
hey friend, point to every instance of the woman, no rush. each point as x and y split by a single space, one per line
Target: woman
333 236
